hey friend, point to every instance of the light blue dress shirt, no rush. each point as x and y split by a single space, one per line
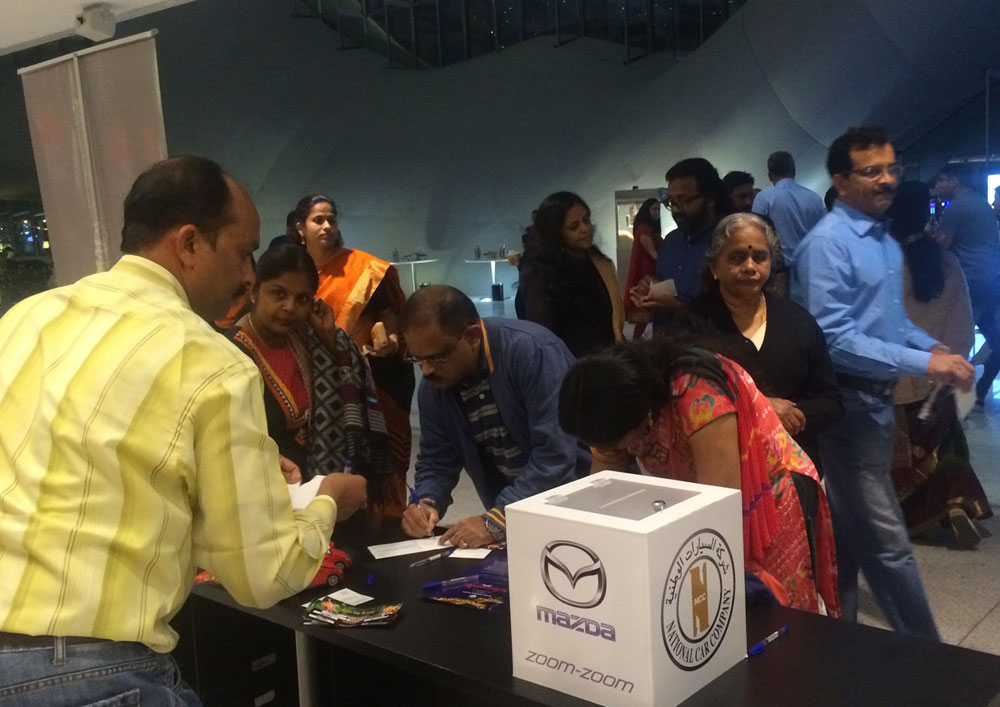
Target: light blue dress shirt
847 272
792 208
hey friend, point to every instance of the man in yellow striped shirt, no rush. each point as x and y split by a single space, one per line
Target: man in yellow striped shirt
134 448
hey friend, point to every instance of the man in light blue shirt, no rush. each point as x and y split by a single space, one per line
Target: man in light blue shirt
792 208
847 272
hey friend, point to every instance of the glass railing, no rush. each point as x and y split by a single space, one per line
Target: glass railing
431 33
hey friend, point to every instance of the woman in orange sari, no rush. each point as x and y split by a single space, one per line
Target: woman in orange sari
366 297
686 414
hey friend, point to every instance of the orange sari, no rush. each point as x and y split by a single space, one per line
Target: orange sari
348 282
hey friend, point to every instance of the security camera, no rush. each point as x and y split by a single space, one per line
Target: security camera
96 22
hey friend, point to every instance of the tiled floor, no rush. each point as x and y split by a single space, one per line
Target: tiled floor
963 585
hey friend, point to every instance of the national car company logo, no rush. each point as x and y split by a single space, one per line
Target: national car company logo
698 599
573 574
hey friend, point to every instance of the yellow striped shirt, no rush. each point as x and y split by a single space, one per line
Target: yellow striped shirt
134 448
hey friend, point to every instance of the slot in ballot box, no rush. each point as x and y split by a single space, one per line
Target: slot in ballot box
626 589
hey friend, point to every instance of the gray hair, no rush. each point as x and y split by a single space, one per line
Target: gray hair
735 222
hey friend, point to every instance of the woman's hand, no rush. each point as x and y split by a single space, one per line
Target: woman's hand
322 319
792 419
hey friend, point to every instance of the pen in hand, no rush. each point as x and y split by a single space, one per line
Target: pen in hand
758 648
415 501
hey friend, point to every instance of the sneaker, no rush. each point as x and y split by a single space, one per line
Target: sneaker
966 535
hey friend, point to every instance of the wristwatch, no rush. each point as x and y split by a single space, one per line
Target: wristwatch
498 532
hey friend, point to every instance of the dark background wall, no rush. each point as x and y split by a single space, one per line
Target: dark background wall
445 159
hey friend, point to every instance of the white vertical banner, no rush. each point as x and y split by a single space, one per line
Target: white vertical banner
96 123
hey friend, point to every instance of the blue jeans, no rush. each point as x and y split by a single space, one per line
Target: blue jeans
868 524
104 674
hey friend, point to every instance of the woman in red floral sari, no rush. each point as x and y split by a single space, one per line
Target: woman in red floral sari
686 414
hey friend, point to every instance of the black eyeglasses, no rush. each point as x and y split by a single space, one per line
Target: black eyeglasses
875 171
434 360
673 202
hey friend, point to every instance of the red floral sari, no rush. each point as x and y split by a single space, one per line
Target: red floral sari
775 543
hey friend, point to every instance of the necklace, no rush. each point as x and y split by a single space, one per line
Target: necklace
265 340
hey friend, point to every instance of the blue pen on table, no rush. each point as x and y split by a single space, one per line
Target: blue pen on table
444 584
428 560
758 648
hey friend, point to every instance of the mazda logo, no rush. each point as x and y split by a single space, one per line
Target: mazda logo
573 574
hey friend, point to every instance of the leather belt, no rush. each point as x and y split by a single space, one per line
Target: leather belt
882 389
21 640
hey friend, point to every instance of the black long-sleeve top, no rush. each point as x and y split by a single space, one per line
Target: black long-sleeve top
793 362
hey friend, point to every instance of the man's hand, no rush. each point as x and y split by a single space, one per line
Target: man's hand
643 298
950 369
419 520
383 343
792 419
469 532
348 490
290 470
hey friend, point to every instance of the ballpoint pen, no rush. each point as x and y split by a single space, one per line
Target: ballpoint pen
758 648
432 558
415 500
444 584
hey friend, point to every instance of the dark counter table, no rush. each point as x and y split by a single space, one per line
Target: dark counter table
438 654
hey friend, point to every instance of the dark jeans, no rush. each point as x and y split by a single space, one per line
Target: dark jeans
107 674
986 310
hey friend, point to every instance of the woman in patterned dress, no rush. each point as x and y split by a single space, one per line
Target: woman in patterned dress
683 413
319 396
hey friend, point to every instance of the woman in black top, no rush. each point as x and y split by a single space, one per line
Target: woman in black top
778 342
566 283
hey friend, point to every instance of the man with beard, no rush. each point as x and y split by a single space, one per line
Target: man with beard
847 272
969 229
489 403
696 202
738 187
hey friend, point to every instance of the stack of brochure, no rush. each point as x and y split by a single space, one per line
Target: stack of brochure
329 611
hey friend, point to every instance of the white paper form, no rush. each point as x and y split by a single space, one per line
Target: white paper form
470 554
664 289
302 494
406 547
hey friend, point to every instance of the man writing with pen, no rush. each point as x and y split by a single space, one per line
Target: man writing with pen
488 403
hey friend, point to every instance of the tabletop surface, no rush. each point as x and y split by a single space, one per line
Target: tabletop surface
820 661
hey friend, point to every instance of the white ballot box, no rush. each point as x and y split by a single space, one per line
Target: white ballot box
626 589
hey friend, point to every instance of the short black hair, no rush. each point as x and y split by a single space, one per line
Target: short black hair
736 178
174 192
838 160
963 172
446 306
781 164
703 172
282 258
